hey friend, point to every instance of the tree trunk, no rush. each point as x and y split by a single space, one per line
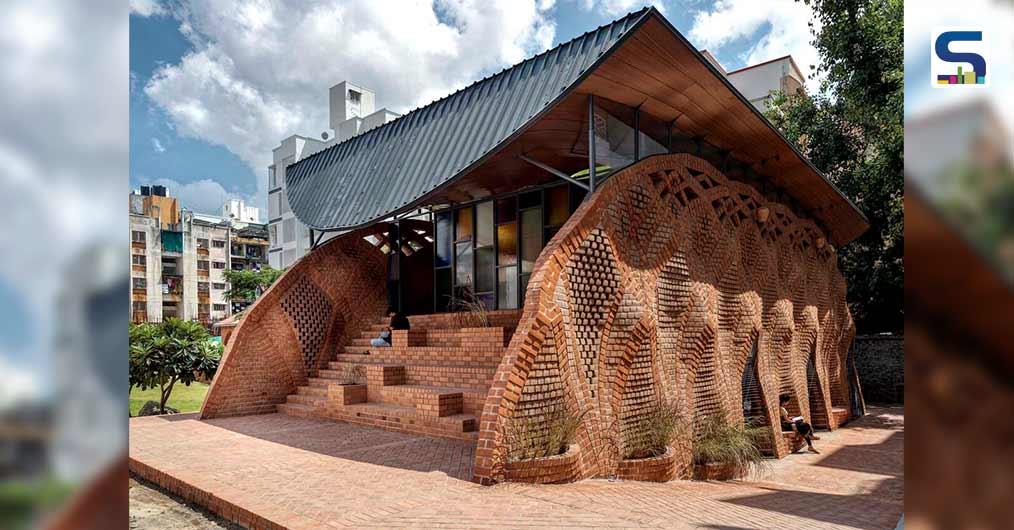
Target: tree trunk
166 392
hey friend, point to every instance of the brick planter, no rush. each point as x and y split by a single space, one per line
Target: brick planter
660 468
547 470
717 471
347 394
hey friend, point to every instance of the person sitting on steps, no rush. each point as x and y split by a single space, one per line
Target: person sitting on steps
796 424
398 321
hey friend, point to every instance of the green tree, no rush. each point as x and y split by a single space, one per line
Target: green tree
244 284
170 352
852 129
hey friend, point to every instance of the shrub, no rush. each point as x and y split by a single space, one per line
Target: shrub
652 432
733 445
540 436
471 312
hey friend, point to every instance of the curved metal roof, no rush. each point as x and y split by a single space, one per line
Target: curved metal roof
390 168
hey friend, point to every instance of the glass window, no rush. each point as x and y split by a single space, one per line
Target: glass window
506 210
485 258
557 205
485 263
202 265
219 264
137 259
614 136
137 235
443 239
273 234
531 199
507 244
202 243
289 230
463 263
507 283
284 200
531 238
139 283
443 289
274 205
218 243
653 135
484 224
463 224
272 180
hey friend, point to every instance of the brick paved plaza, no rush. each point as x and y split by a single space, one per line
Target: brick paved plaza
279 471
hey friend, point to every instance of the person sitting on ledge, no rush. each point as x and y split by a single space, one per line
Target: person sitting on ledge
796 424
398 321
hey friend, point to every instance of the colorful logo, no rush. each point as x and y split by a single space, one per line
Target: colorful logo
958 57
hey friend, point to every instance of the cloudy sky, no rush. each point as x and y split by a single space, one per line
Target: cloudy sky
214 86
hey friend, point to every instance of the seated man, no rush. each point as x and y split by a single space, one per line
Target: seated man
398 321
796 424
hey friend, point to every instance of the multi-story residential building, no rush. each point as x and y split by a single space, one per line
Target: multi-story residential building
211 237
758 82
178 260
352 112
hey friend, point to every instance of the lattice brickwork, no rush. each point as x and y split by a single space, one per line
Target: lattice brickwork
327 297
667 285
310 312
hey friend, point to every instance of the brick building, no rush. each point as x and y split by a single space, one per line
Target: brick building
638 234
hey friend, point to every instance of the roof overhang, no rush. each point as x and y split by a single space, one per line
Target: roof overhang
643 62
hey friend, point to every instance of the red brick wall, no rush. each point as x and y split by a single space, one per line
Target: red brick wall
656 290
326 298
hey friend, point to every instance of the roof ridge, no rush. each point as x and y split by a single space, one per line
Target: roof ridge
639 13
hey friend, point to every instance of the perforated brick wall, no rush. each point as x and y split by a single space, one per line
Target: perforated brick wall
326 298
659 289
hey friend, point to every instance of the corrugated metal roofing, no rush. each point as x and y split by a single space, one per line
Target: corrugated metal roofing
388 169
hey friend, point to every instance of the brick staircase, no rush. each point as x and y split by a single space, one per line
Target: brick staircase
432 380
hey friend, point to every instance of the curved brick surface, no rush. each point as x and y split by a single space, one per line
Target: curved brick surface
658 289
295 327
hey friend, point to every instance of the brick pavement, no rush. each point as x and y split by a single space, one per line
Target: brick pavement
277 471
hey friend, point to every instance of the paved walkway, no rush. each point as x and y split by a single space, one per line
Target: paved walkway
279 470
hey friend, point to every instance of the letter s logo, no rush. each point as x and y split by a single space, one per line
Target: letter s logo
944 52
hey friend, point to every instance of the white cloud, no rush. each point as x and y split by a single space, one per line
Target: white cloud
260 70
618 8
782 25
202 196
147 8
16 384
157 145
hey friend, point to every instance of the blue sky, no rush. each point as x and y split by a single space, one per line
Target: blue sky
214 88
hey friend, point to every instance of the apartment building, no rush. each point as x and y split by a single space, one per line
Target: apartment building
758 81
352 112
178 261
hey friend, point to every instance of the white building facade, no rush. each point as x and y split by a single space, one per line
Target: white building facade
352 112
237 210
757 82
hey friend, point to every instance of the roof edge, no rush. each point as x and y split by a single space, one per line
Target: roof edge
641 18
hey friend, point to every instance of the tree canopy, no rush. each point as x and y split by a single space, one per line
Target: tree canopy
245 285
165 353
853 130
